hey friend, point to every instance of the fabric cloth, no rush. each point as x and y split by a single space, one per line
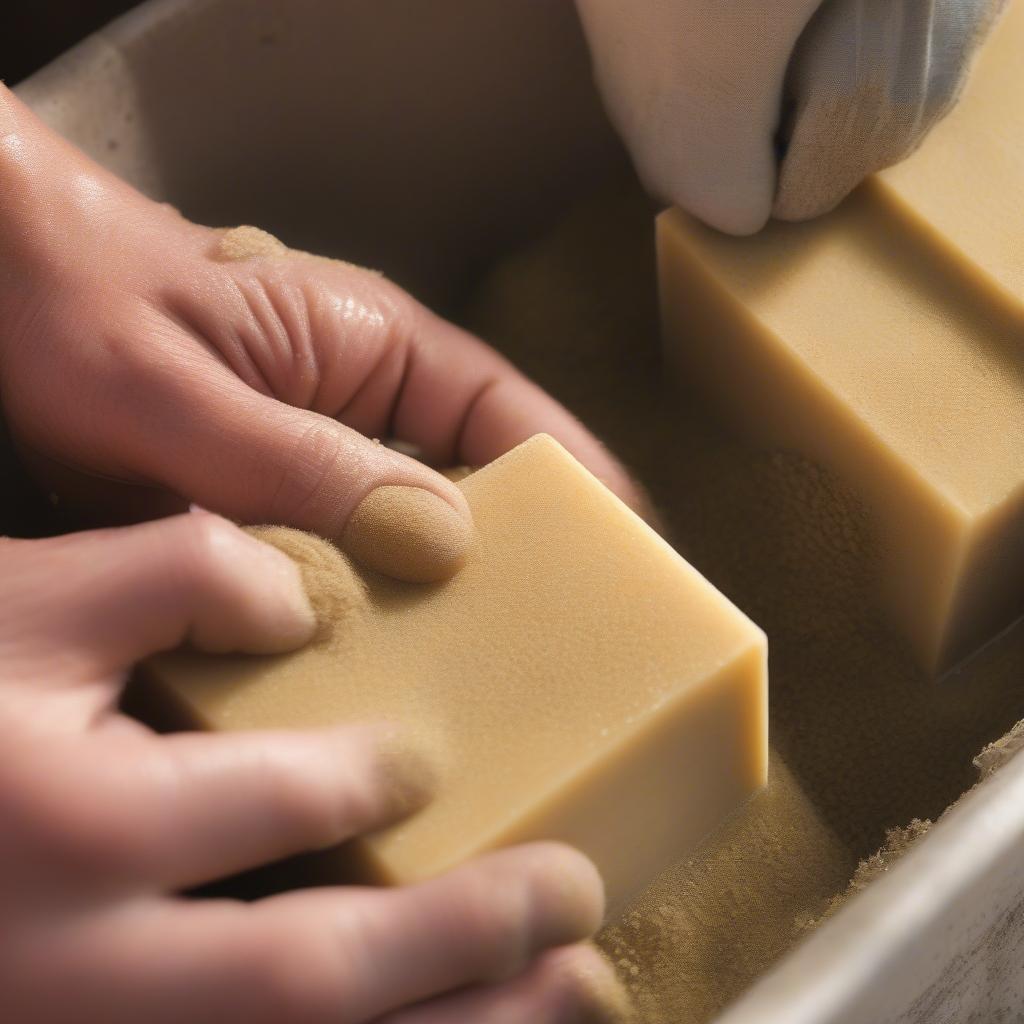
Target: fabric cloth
740 109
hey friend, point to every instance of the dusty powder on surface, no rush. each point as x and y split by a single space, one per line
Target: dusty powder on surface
861 740
335 589
247 242
996 754
710 923
408 533
899 840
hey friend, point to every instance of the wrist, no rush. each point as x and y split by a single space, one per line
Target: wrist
55 209
25 167
24 231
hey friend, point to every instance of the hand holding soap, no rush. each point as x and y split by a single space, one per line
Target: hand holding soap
577 680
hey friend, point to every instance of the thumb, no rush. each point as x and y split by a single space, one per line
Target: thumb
258 460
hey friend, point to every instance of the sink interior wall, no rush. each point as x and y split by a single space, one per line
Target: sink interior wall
420 142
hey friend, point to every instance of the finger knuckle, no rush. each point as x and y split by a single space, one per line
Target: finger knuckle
25 568
16 804
96 840
300 799
400 317
58 820
305 485
496 913
300 976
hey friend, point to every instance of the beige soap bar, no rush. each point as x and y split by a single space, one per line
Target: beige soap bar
880 341
965 182
578 679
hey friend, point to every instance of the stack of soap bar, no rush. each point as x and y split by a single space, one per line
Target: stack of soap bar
578 679
886 341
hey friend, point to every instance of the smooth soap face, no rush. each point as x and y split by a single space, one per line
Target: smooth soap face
965 182
871 342
577 679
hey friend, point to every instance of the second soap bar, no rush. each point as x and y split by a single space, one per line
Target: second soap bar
868 348
579 680
886 341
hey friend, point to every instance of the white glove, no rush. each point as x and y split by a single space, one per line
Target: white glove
698 89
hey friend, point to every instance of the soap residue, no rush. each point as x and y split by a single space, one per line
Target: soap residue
996 754
900 839
714 921
247 242
897 842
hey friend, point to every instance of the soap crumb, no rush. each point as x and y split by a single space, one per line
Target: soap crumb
247 242
996 754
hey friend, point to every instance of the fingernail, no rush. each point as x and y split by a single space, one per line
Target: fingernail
604 997
408 533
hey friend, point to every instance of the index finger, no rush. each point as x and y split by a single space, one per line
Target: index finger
462 402
437 386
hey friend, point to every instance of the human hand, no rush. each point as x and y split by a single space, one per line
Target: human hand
103 821
221 368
